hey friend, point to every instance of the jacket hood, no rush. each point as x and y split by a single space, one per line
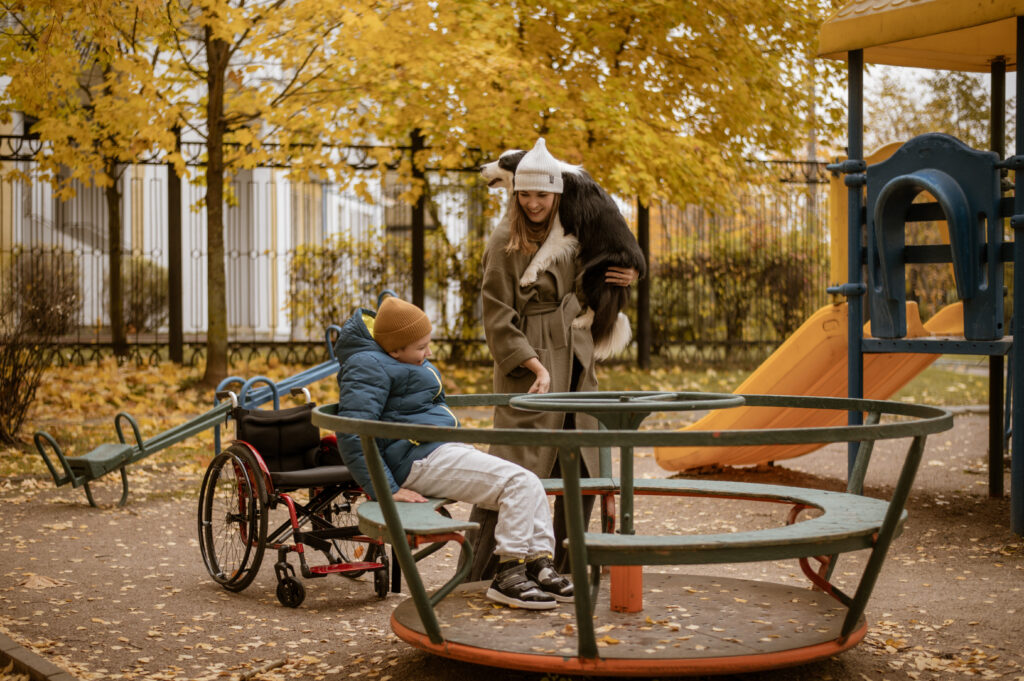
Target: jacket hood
356 336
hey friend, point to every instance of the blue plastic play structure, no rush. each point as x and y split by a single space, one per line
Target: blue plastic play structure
966 187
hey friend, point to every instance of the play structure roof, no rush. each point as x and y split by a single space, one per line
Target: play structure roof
960 35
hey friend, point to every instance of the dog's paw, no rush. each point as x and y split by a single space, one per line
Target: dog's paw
616 341
529 276
584 321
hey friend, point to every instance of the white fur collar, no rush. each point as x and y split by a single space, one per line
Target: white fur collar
557 247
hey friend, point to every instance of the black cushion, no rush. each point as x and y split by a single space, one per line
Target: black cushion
283 437
321 476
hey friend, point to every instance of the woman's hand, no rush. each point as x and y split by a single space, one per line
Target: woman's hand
542 383
408 495
621 276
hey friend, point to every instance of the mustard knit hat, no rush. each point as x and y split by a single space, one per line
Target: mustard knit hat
399 323
539 171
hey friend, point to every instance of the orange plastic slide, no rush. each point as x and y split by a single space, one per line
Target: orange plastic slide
813 361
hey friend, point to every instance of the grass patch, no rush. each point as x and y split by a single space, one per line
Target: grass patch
943 387
940 385
77 405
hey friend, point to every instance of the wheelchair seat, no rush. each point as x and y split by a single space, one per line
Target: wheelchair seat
320 476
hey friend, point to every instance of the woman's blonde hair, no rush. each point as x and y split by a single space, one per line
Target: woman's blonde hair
524 235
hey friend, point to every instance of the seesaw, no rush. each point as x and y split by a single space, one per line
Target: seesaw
663 624
80 471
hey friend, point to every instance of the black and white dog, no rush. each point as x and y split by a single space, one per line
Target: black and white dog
590 224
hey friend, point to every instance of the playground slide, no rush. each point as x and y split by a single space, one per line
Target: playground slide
812 361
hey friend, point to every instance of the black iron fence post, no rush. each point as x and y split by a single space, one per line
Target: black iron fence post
418 221
175 326
643 291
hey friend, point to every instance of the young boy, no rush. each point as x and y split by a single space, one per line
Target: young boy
386 376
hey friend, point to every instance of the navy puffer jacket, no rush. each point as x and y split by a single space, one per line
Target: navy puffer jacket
373 385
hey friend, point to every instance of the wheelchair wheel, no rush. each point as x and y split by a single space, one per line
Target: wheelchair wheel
348 550
233 518
290 592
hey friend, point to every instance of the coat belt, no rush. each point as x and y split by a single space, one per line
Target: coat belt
568 309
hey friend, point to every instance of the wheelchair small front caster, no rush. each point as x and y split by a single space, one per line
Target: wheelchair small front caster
290 592
381 578
381 583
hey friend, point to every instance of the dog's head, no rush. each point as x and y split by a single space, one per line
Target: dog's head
500 174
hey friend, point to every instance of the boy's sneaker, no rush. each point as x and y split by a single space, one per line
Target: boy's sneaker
511 586
542 570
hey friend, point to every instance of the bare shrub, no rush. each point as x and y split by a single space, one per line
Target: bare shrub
329 280
45 291
25 352
145 294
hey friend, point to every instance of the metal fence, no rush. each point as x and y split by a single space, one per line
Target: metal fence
726 286
730 285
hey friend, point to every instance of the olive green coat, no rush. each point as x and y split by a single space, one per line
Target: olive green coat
534 321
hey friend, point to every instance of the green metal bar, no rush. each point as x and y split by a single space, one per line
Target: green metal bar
480 400
465 564
604 458
460 575
926 420
186 430
125 416
399 543
886 534
569 461
69 476
88 495
622 421
855 484
429 551
124 489
626 506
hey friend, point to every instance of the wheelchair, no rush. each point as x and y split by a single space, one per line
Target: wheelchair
279 453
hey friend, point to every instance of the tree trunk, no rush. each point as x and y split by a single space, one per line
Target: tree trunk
115 245
217 57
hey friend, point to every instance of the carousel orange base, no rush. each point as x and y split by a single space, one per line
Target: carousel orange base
690 625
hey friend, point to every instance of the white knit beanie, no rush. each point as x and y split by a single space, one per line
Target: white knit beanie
539 171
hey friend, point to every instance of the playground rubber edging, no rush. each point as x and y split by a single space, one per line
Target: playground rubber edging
27 662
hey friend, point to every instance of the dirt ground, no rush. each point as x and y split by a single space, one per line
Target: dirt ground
122 593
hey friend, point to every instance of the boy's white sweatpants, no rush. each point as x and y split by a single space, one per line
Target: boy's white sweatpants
464 473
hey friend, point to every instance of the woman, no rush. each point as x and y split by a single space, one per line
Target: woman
529 331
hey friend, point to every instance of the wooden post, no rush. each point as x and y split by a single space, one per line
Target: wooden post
627 588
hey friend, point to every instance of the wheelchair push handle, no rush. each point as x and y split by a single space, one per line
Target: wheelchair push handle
295 392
